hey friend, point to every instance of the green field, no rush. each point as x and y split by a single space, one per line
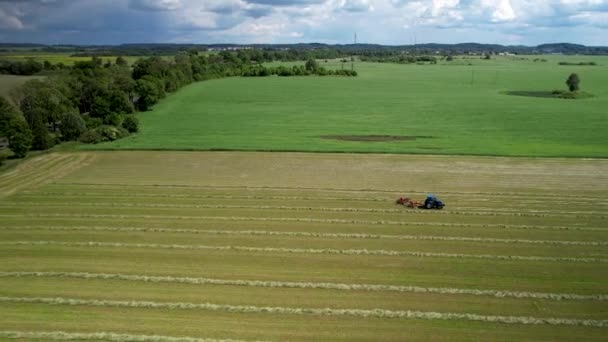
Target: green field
303 247
56 57
10 82
448 108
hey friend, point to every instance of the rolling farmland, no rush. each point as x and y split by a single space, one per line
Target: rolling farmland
448 108
151 246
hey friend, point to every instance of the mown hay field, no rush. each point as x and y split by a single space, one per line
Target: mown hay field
152 246
448 108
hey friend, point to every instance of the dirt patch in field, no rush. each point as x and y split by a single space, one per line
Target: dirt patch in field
375 138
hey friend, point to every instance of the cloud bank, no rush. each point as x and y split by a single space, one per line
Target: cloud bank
395 22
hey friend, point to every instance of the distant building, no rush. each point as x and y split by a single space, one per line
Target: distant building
3 143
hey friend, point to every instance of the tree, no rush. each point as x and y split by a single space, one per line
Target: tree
312 65
573 82
21 141
148 92
41 138
131 124
72 126
15 129
120 61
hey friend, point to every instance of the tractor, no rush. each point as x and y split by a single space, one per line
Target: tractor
432 202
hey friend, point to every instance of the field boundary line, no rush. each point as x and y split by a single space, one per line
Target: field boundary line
103 336
308 220
277 310
366 236
308 285
329 251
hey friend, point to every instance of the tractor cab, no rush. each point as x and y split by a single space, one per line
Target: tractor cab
433 202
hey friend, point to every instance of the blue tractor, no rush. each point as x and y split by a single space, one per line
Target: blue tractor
432 202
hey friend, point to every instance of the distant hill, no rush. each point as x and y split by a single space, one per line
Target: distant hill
431 48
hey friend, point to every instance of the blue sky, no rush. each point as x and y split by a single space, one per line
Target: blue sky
394 22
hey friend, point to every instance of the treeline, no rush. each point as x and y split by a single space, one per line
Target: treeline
400 58
578 63
28 67
94 102
296 70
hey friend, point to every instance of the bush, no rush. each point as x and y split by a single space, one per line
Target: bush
72 126
92 123
113 119
103 134
111 133
131 124
21 142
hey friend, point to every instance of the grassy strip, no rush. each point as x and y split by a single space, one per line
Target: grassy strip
303 219
102 336
304 251
376 313
314 235
302 285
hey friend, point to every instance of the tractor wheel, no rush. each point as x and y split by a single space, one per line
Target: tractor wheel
429 205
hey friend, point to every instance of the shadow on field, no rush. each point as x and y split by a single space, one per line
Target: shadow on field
555 94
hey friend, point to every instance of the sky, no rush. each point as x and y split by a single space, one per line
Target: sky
389 22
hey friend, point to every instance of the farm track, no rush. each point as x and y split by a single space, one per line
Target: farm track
517 245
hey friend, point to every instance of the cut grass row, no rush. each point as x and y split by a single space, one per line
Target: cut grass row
271 326
285 215
492 231
358 236
330 251
301 285
279 310
100 336
327 243
529 276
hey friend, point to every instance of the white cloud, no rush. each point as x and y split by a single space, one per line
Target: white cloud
10 22
333 21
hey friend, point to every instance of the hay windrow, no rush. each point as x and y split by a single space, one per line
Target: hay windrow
362 313
314 235
469 212
102 336
309 285
329 251
307 220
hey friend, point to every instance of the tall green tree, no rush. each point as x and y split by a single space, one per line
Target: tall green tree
573 82
14 128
